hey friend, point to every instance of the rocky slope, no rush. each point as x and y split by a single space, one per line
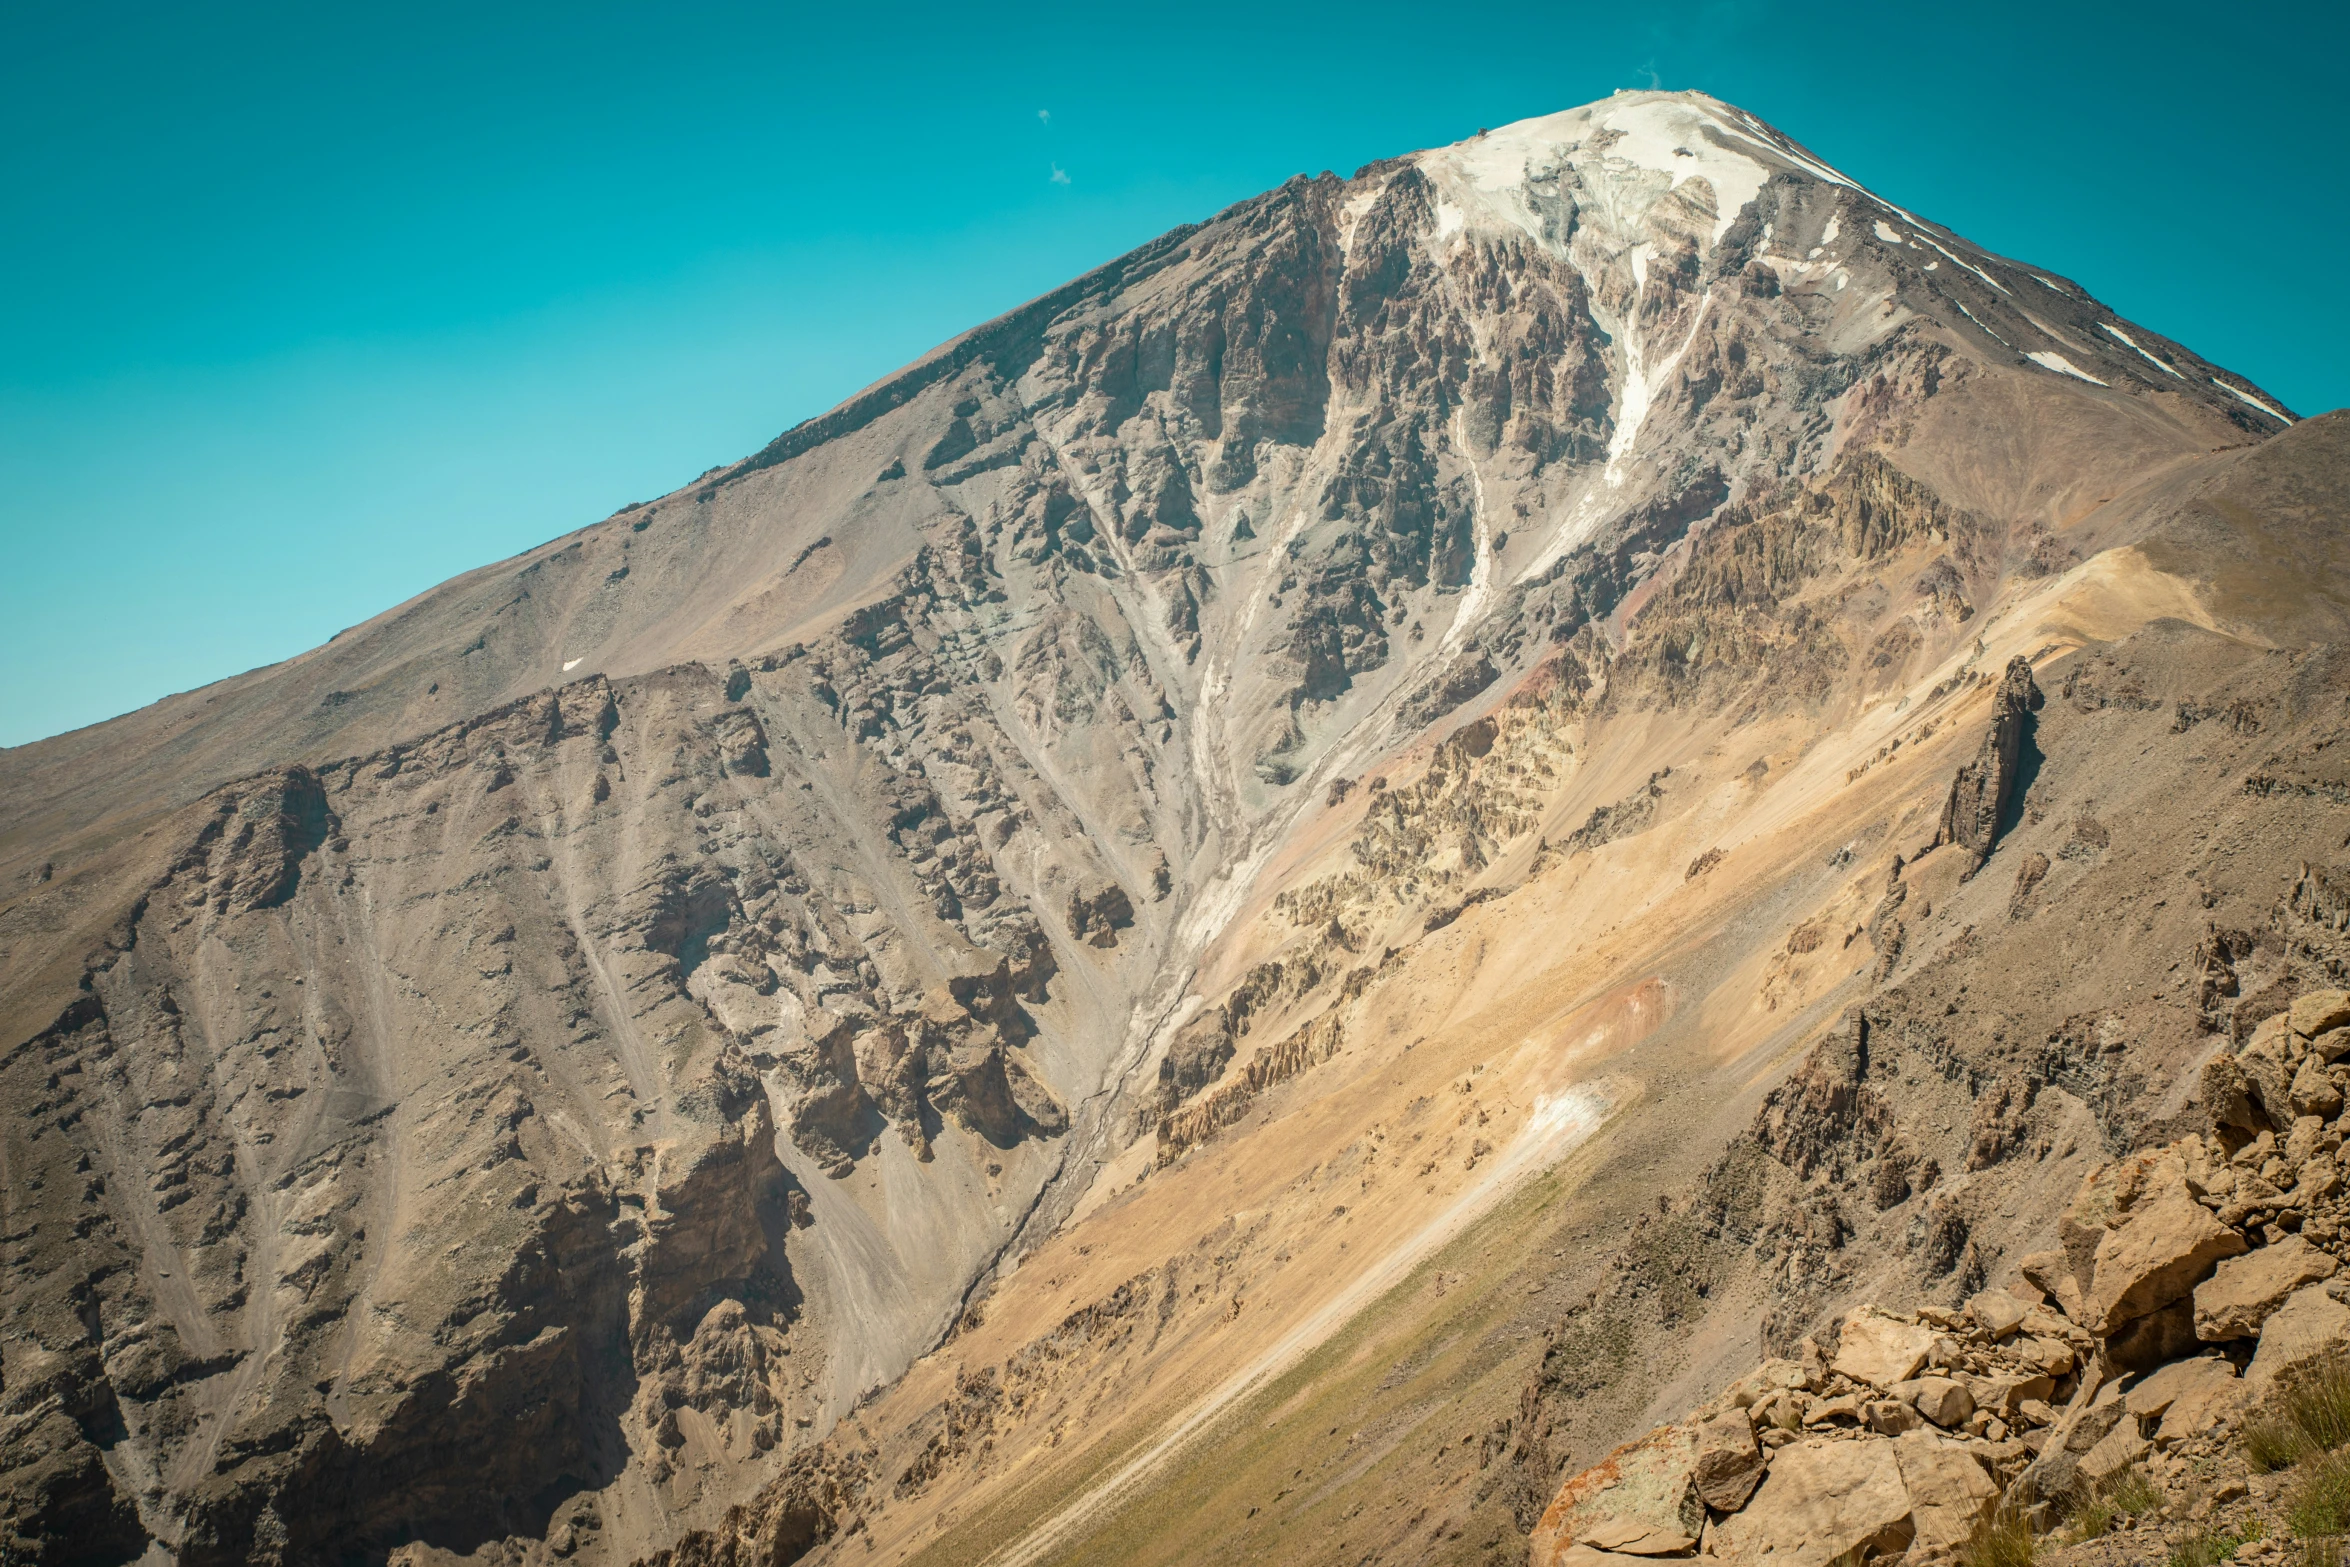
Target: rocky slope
2150 1364
914 994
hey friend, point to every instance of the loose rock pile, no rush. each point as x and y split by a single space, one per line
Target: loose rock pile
2192 1281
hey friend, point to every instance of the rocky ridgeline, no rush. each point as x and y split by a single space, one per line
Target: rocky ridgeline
2191 1281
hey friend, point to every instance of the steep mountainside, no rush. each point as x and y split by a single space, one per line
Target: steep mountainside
1268 836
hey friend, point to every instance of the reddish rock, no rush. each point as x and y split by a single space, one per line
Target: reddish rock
1650 1482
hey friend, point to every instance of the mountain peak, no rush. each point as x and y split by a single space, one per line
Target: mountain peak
1262 731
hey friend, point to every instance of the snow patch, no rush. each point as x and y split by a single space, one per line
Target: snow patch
1351 213
1828 234
2132 343
1961 260
1615 147
2277 414
2049 359
1888 233
1976 319
571 664
1641 384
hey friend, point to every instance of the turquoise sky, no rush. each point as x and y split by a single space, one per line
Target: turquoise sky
304 309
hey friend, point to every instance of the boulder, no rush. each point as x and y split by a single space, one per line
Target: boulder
2111 1194
1729 1461
2161 1252
1651 1482
2306 1138
2040 1322
2321 1177
2005 1392
2239 1297
2308 1326
1831 1411
2042 1269
2052 1272
1891 1417
2227 1097
1997 1312
1949 1492
1822 1500
2331 1045
2313 1092
2200 1409
2321 1011
1882 1350
2155 1394
2188 1397
1768 1378
1939 1399
2269 1080
2052 1355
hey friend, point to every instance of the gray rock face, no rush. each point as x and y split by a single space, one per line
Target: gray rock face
1980 792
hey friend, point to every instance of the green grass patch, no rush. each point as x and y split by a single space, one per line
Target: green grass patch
2206 1548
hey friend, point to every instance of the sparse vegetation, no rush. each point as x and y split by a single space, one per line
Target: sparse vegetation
2271 1443
2318 1402
2128 1494
2311 1415
2319 1503
2002 1540
2205 1548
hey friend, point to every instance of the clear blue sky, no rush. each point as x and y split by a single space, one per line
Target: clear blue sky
303 309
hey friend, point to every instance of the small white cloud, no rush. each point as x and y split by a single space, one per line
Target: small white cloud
1060 175
1045 115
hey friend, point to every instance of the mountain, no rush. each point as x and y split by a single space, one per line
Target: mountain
1230 915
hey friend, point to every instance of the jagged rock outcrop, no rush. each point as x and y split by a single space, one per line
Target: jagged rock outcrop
1979 795
1904 1434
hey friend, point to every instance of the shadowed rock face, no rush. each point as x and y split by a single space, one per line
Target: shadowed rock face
1979 794
520 1071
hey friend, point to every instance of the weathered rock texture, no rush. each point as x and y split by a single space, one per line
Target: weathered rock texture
2036 1403
786 1019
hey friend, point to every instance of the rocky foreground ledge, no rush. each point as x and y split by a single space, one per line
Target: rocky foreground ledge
2194 1291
